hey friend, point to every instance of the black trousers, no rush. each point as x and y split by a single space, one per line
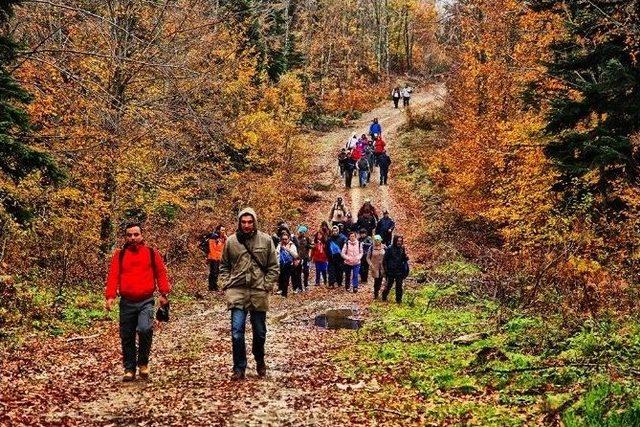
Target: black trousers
384 172
286 270
377 284
364 270
336 272
390 282
405 101
214 272
348 177
395 102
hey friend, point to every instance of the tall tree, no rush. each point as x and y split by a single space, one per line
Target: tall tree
269 32
17 158
595 114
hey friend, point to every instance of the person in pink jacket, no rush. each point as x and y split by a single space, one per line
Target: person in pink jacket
352 254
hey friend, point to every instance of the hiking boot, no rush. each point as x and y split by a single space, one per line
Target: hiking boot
143 371
355 290
129 376
261 368
237 376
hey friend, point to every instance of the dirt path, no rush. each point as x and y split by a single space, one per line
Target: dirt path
77 383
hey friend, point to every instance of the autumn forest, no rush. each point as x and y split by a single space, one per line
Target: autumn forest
514 180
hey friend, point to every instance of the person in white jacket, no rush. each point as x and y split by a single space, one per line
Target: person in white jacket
352 142
352 255
406 95
287 258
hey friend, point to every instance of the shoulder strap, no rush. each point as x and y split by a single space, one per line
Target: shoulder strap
153 263
120 258
255 259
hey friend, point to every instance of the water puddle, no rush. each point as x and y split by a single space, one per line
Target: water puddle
338 319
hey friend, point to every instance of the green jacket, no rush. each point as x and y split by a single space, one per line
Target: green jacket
246 286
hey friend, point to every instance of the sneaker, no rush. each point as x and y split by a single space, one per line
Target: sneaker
143 370
129 376
237 376
261 368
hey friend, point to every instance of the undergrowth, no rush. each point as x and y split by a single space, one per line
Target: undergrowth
522 370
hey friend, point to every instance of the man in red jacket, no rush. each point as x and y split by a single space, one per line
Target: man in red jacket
134 272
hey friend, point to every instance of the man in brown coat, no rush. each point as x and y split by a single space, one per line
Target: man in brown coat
248 270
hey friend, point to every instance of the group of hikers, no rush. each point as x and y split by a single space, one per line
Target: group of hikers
361 155
248 263
343 251
404 93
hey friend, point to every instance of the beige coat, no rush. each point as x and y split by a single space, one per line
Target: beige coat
375 259
245 285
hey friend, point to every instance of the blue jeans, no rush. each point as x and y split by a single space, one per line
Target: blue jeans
321 270
136 317
259 327
363 177
352 271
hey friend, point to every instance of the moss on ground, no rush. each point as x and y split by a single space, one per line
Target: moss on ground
525 370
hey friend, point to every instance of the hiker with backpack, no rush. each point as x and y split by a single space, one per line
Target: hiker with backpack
375 260
396 95
338 212
396 267
370 154
349 169
212 245
384 161
378 148
136 272
320 258
342 157
368 209
375 130
348 225
288 260
352 142
334 251
352 255
366 242
385 228
406 95
301 270
249 269
363 171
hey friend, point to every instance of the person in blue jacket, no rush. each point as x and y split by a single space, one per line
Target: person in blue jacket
375 129
385 228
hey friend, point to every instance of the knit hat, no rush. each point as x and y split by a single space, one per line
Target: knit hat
302 229
377 238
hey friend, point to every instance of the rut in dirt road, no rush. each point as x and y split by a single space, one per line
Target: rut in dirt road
191 357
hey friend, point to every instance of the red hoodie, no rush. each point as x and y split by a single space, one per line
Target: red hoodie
378 146
319 253
136 279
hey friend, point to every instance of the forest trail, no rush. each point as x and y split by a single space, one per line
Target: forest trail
78 382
